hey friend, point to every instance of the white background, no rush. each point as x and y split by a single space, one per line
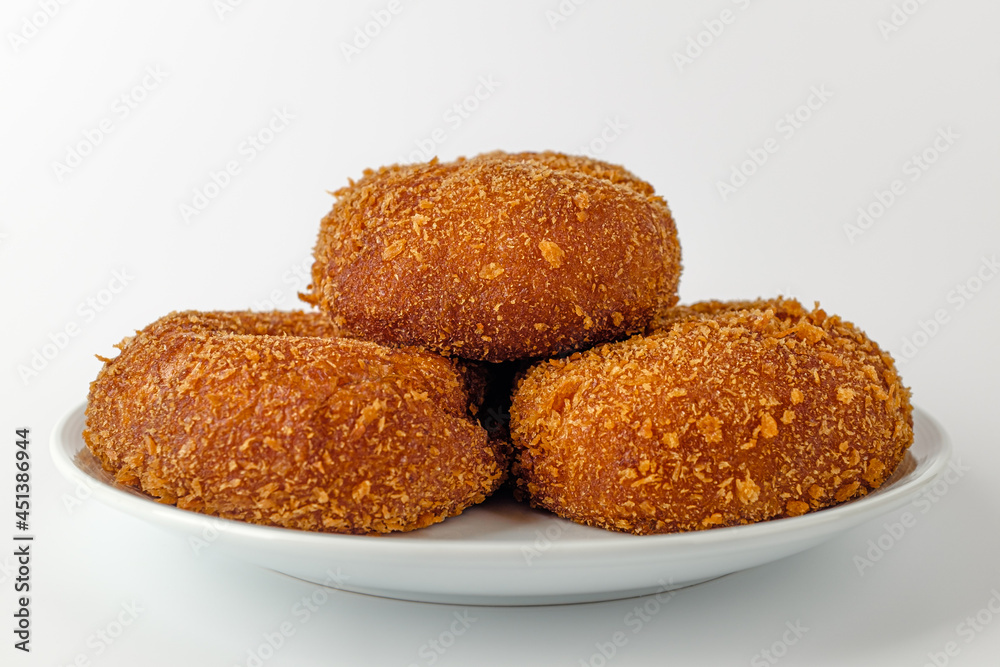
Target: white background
111 230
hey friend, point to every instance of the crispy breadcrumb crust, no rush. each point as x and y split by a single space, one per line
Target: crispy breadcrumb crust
497 257
265 418
728 413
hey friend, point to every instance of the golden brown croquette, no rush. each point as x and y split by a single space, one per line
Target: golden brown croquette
266 418
725 414
498 257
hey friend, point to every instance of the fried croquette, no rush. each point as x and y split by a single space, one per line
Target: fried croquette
498 257
726 414
266 418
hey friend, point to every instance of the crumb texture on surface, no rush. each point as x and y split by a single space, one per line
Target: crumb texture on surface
267 418
498 257
725 413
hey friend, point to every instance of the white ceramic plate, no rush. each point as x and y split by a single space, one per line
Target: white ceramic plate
502 552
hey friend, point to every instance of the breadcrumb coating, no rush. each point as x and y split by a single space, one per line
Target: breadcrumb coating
266 418
498 257
725 414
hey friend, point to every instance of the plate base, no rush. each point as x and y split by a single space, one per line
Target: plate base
502 553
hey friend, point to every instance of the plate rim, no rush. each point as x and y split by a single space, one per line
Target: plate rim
63 450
